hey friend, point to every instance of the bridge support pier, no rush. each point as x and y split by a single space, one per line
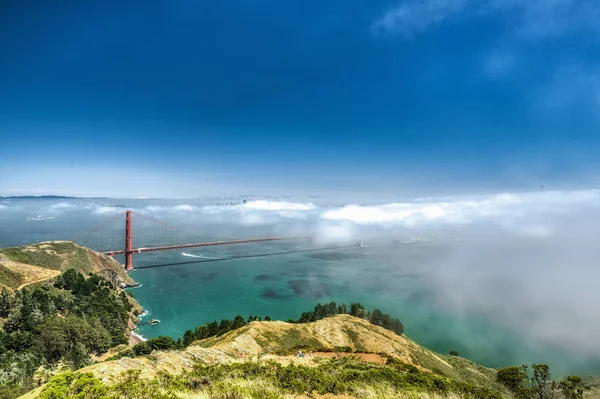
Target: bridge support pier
128 243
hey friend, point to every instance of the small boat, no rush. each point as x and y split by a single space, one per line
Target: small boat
153 322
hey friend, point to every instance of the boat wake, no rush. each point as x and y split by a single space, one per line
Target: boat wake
197 256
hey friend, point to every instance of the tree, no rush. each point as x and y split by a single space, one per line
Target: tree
77 357
515 378
540 381
331 309
213 329
6 300
320 311
162 343
71 338
70 280
201 332
238 322
572 388
225 326
377 317
306 317
357 310
188 337
453 353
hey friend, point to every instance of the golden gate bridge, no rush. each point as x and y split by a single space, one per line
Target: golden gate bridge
116 237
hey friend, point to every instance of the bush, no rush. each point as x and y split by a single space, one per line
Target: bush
321 311
343 349
344 376
64 322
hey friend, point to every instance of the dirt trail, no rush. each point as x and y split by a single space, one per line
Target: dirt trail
51 274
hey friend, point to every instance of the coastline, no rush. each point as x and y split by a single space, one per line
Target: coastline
135 338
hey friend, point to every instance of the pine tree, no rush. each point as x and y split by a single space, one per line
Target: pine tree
6 300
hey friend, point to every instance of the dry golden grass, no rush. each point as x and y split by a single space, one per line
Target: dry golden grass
29 274
280 339
326 334
42 261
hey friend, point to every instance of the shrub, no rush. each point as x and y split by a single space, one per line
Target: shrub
273 380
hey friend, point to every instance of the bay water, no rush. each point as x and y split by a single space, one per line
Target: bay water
193 291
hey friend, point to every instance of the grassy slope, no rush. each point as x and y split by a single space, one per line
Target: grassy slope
347 331
593 382
9 278
31 264
282 339
47 259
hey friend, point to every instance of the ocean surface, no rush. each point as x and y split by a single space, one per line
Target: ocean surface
394 275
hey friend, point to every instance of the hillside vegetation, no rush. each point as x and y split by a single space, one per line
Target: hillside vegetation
56 310
336 357
20 266
61 309
350 356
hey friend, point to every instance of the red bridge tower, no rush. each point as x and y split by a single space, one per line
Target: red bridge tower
128 243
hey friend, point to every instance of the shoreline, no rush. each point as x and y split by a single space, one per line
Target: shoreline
135 338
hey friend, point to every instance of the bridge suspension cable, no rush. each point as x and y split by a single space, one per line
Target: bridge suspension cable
130 233
244 257
104 236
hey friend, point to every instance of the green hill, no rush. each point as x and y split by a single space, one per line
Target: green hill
344 357
60 306
20 266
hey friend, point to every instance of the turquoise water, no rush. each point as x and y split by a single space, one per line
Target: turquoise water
404 280
184 296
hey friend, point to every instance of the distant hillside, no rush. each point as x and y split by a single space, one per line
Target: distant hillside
20 266
369 349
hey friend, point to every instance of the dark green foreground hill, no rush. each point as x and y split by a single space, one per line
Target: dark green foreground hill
60 306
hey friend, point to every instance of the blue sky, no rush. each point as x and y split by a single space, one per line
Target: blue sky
182 98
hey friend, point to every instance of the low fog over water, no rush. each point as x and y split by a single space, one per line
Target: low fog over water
503 279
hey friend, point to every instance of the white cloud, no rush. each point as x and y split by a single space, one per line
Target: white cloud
526 214
540 19
184 208
531 19
63 205
498 209
278 206
414 17
107 209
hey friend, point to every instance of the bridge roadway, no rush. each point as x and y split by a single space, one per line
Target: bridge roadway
201 244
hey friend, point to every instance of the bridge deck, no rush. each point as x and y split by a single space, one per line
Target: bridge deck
201 244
